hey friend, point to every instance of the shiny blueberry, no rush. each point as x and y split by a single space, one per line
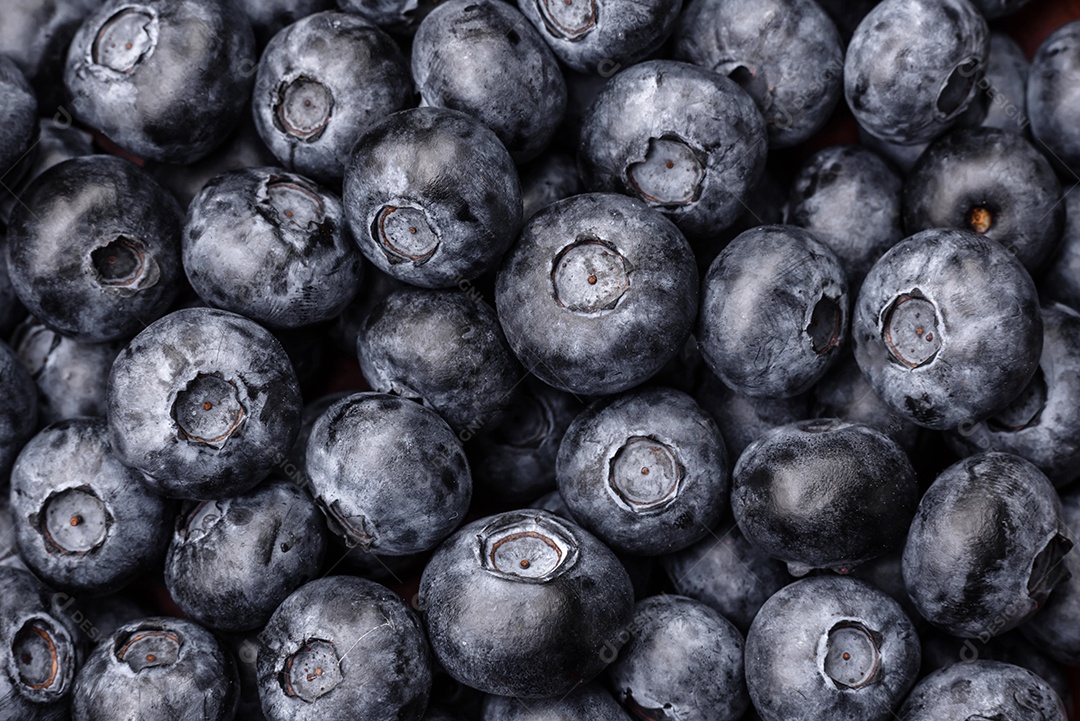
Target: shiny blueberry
982 690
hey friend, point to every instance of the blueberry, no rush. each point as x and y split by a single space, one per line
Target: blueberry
18 123
824 494
203 402
765 205
1055 628
272 246
11 310
986 545
830 647
727 573
1006 85
982 690
845 393
442 347
400 17
1054 72
850 199
787 54
774 311
847 14
231 562
1061 280
482 57
886 574
685 140
56 142
36 35
947 328
645 471
706 684
996 8
94 249
84 522
941 649
18 409
508 590
343 647
903 157
388 473
598 35
321 82
551 177
588 702
432 197
157 668
162 80
598 293
267 17
914 66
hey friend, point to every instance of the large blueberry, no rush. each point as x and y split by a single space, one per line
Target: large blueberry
1054 74
1055 628
203 402
982 690
588 702
18 409
18 122
598 293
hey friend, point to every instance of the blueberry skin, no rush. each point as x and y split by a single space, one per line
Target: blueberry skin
1054 73
707 683
903 157
589 702
69 471
177 366
982 689
1043 424
36 34
645 471
57 140
997 8
602 34
908 101
792 669
173 97
941 650
400 17
782 295
468 376
1055 628
496 602
727 573
850 200
272 246
18 409
94 250
611 335
707 124
380 663
1061 280
11 309
845 393
232 562
1007 77
157 668
942 362
35 623
824 494
456 184
18 120
985 548
483 58
787 54
389 474
992 182
550 178
268 17
321 82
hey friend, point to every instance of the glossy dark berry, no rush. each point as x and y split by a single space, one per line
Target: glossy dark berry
18 408
18 122
982 690
1053 75
588 701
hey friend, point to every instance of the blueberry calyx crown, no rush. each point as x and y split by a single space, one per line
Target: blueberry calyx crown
957 87
73 521
527 548
41 654
125 39
354 529
645 474
1047 569
405 234
852 657
123 266
670 176
825 325
590 276
912 330
303 108
202 517
149 648
294 204
568 19
311 672
209 410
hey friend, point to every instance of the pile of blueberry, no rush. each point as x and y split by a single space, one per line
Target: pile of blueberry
538 360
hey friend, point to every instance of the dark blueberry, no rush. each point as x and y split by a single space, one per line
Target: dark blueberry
914 66
444 348
432 197
646 471
100 617
986 546
11 309
886 573
706 684
997 8
85 522
991 182
343 647
56 142
685 140
1055 628
765 205
157 668
850 199
388 473
267 17
845 393
947 328
589 702
381 569
9 555
598 293
345 330
1052 78
166 81
824 494
551 177
774 311
71 377
272 246
231 562
321 82
941 649
1006 85
18 409
598 35
18 123
36 34
245 650
1061 281
94 248
727 573
293 466
39 648
400 17
830 647
847 14
525 604
787 54
515 460
982 690
203 402
482 57
903 157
